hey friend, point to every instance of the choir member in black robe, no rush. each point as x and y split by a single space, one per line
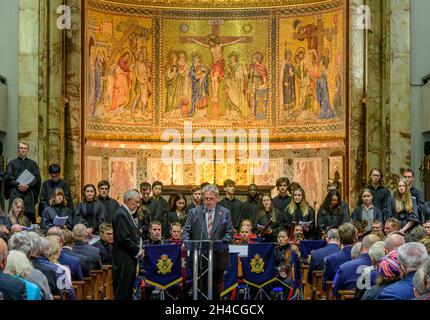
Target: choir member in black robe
231 203
50 185
250 207
57 207
90 212
282 200
111 205
28 192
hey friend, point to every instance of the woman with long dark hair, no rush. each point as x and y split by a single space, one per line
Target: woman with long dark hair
266 213
299 212
177 213
330 214
90 212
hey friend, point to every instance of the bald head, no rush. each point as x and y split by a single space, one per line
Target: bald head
3 254
393 242
367 242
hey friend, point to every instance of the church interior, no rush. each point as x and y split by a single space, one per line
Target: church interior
192 91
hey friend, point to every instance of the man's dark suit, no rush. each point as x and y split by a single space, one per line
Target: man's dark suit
73 263
195 228
87 263
317 258
89 251
12 288
333 262
126 246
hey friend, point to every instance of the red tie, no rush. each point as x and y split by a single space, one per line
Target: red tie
209 224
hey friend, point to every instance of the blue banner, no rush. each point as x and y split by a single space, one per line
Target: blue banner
306 247
259 267
163 265
230 277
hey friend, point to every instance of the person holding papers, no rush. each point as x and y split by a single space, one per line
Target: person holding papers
267 219
22 180
57 214
299 212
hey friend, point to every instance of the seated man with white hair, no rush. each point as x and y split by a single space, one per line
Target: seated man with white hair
21 242
411 257
18 266
348 273
422 282
61 282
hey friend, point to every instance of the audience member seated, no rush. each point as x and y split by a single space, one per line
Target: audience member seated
90 212
105 242
4 220
61 281
283 261
393 242
391 225
369 274
66 259
346 277
18 266
411 256
16 214
416 235
317 256
79 246
356 250
87 263
426 226
377 226
11 288
388 273
57 208
426 242
21 242
347 237
4 233
422 282
55 255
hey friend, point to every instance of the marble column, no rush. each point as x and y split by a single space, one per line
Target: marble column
73 138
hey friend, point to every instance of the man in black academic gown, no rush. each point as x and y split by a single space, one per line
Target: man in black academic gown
111 205
251 206
126 246
283 199
28 192
49 186
232 203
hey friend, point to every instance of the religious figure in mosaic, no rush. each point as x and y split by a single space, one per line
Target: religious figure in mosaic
199 75
122 82
288 81
257 87
142 84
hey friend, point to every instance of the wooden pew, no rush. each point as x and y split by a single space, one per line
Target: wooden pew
329 285
97 288
346 294
107 283
88 293
307 287
317 291
79 286
110 282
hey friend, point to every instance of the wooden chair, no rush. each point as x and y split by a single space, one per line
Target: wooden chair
105 283
98 292
346 294
79 286
307 287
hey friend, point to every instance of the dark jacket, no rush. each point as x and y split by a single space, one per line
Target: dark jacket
380 198
48 188
357 214
331 219
13 171
90 220
420 203
105 251
87 263
280 202
400 290
172 216
287 220
73 263
234 206
403 216
12 288
349 272
49 213
333 262
318 256
89 251
249 209
111 205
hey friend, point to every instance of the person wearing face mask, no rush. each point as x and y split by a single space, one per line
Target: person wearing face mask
331 214
367 211
299 212
57 208
90 211
404 207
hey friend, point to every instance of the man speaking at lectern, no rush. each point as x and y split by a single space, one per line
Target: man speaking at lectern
211 222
